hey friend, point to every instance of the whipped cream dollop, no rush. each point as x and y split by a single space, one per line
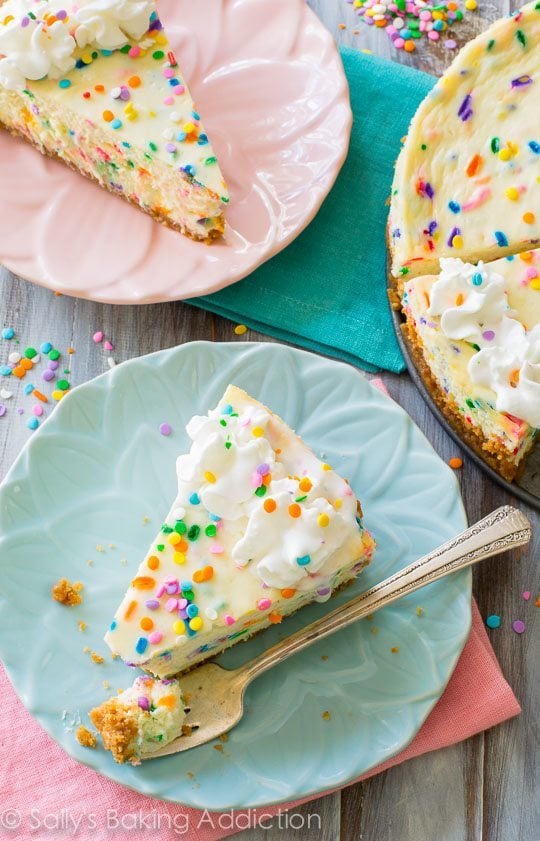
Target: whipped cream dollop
230 458
472 304
33 48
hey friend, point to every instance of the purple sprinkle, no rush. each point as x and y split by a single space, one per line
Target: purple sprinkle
263 469
172 589
170 147
20 411
450 44
61 15
518 626
3 410
429 191
25 21
47 375
521 81
145 679
53 364
34 109
124 93
152 604
432 227
167 682
143 702
182 614
324 591
155 26
465 110
165 429
488 335
455 232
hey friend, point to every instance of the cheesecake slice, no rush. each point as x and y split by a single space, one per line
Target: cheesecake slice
474 332
97 85
466 182
259 528
140 720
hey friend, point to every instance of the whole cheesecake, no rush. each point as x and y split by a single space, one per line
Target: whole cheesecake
96 85
259 528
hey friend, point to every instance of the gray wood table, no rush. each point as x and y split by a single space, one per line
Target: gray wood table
483 788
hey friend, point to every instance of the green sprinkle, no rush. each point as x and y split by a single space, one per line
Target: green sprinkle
225 200
228 445
210 531
491 44
470 403
131 164
180 527
261 491
160 547
300 498
54 354
423 147
63 385
194 532
223 422
476 347
30 352
495 145
125 49
520 35
404 270
166 529
158 55
152 145
211 160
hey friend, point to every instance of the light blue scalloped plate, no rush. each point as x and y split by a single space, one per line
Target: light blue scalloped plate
98 468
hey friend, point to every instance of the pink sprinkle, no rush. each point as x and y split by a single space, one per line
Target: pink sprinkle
98 337
229 620
179 89
182 604
216 549
168 72
168 101
165 429
433 35
171 580
531 272
108 345
478 198
264 604
399 43
256 480
155 637
347 491
518 626
526 595
160 591
134 52
37 410
171 605
245 422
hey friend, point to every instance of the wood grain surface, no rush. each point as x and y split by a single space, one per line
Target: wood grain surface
484 789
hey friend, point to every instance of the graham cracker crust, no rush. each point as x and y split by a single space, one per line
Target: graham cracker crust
162 218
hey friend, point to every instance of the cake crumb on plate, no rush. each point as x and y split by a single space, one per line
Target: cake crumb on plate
67 593
85 737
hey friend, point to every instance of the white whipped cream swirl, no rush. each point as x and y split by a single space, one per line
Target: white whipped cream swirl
473 306
32 49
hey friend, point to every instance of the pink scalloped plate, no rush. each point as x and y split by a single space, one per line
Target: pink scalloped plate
270 85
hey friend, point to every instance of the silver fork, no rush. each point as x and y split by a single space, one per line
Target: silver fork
216 695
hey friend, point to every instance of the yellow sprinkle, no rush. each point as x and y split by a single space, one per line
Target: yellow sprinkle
535 283
526 256
209 477
240 329
326 467
457 241
8 19
189 128
512 193
338 503
57 394
257 431
196 623
323 520
471 5
179 558
179 627
419 611
86 58
161 39
174 538
505 155
513 147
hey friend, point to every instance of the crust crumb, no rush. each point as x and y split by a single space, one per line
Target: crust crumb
117 728
97 658
85 737
326 715
67 593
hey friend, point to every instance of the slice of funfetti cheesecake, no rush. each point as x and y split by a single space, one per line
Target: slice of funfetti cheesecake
467 179
96 84
260 527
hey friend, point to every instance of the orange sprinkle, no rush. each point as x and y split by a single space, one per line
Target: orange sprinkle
208 572
40 396
394 649
146 623
537 602
71 350
426 298
168 701
288 593
134 81
153 562
529 218
455 463
19 372
295 510
108 116
459 300
514 378
275 618
269 505
27 364
475 165
99 88
305 484
526 256
143 582
130 610
267 478
409 46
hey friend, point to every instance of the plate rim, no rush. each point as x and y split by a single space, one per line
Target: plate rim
233 276
255 803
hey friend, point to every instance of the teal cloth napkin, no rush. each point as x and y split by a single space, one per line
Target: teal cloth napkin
327 290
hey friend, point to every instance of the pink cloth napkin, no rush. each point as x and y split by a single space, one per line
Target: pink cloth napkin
45 793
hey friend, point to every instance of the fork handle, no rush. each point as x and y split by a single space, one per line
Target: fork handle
503 529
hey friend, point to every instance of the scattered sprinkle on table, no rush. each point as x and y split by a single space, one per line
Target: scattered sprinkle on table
526 595
165 429
8 333
518 626
493 621
240 329
455 463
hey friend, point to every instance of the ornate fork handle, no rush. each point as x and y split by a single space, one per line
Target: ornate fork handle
503 529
